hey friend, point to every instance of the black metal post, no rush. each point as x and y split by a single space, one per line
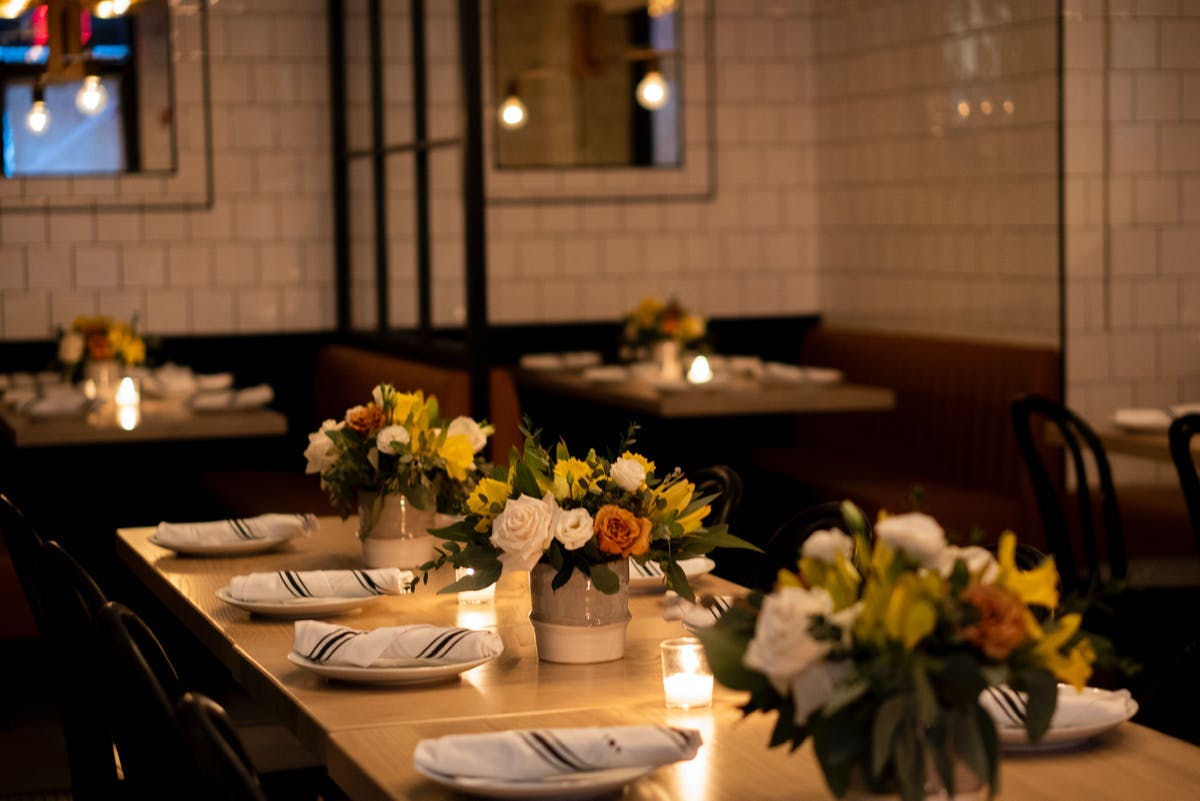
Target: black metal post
421 167
473 199
379 164
337 137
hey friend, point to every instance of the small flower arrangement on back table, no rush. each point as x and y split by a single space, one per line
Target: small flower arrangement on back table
580 515
654 321
398 445
100 339
879 652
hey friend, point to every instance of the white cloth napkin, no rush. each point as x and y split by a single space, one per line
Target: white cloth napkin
695 614
383 647
253 397
213 381
213 401
56 404
175 381
541 361
222 532
284 585
533 754
1074 708
650 569
576 359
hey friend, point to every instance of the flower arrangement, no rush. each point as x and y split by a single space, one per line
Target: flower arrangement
879 652
654 321
100 339
580 515
398 444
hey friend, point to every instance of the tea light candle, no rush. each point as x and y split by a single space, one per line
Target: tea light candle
700 372
129 400
687 678
486 595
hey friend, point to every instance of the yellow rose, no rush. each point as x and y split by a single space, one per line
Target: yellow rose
459 456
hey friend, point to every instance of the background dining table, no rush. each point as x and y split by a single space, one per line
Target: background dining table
366 734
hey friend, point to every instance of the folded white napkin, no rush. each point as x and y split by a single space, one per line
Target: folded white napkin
213 381
581 358
384 647
222 532
284 585
253 397
175 381
213 401
695 614
56 404
788 373
605 372
533 754
650 569
541 361
1074 708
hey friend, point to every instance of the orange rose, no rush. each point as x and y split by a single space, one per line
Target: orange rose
365 419
1001 626
99 346
621 532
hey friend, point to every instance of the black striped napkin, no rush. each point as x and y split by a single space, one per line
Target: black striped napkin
284 585
339 645
234 530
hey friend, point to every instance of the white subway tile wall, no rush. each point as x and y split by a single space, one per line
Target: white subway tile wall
243 266
1133 234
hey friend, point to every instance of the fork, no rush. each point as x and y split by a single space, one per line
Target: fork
1010 703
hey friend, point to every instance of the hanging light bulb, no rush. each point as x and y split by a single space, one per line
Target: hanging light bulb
104 9
513 114
92 96
119 7
37 120
653 91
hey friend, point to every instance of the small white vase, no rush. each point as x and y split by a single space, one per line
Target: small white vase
394 533
577 623
104 375
967 787
669 357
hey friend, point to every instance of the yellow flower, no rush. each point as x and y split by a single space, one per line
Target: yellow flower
839 579
133 351
487 493
1038 586
691 327
678 495
1075 666
406 404
572 479
459 456
646 464
646 313
911 613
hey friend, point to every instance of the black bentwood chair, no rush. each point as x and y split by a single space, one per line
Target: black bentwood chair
220 757
23 542
723 480
1030 410
1180 435
783 546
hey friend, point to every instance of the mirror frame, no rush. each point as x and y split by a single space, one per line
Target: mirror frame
189 186
695 180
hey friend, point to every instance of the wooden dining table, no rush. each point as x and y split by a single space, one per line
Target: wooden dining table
366 733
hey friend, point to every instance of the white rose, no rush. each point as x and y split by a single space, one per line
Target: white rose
826 544
980 562
469 429
782 646
573 527
813 688
70 348
918 535
628 474
390 438
522 531
321 453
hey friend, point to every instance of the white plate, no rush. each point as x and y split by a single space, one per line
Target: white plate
297 607
568 786
239 548
1094 711
638 582
419 672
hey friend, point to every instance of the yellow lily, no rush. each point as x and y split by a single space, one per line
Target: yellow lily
406 404
911 613
1075 666
572 479
839 579
459 456
1038 586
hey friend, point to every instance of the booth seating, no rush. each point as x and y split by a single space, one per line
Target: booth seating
344 376
949 433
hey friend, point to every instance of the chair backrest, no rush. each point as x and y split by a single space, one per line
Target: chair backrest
1181 433
23 542
1076 435
723 480
220 757
783 547
142 689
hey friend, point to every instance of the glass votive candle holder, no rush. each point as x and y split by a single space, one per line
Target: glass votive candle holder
486 595
687 678
129 403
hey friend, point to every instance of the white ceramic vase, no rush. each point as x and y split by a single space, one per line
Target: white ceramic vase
104 375
968 787
668 355
394 533
577 623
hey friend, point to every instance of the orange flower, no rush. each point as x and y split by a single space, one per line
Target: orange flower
99 346
365 419
1001 626
621 532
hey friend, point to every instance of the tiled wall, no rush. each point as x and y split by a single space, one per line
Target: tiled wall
937 166
260 260
1133 181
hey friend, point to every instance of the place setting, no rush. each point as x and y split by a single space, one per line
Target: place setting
313 593
1079 716
234 536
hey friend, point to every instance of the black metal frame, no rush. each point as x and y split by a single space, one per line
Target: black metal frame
422 344
1180 437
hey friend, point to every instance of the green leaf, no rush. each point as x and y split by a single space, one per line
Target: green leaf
724 646
1042 689
460 531
910 768
719 537
784 730
968 741
605 580
960 680
991 748
883 731
525 483
560 452
925 700
422 497
485 575
563 575
677 581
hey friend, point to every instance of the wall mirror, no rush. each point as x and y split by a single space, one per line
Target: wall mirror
595 99
104 103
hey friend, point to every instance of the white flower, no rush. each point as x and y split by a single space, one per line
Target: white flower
813 688
826 544
522 531
321 452
918 535
980 562
377 395
782 646
469 429
571 527
70 348
390 438
628 474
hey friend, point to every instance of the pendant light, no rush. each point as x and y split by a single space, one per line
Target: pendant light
92 96
653 91
37 119
513 114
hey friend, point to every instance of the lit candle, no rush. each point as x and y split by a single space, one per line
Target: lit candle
486 595
687 678
129 404
700 372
